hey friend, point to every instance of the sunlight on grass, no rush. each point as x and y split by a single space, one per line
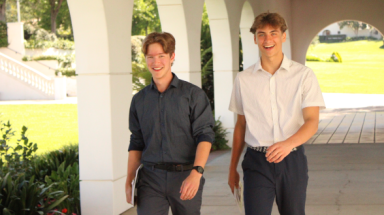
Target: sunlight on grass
362 69
51 126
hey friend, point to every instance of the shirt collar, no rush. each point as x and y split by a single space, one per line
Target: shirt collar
285 65
174 83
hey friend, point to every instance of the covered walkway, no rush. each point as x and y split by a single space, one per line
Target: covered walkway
345 177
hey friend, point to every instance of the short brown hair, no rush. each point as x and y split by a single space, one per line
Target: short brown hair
166 40
273 19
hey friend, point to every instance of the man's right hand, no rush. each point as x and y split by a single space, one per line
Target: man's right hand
233 179
128 193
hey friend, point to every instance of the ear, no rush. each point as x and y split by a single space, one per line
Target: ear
284 37
173 57
254 38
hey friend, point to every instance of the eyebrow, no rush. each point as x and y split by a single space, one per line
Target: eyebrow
155 54
262 32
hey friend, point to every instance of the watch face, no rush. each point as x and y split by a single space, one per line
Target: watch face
200 169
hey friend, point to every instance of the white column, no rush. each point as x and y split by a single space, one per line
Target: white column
16 36
224 20
250 49
104 85
182 18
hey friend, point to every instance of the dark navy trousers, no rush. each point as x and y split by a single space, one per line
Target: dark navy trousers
285 181
159 189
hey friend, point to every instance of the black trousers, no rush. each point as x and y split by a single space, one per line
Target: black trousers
158 190
286 181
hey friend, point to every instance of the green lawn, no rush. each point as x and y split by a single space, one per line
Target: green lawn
362 69
51 126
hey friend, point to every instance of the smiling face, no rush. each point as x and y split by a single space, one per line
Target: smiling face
158 62
270 41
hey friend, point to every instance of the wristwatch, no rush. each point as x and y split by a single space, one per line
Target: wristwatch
199 169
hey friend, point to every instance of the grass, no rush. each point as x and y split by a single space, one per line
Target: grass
51 126
362 69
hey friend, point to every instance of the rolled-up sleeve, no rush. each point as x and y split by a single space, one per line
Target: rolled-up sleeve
137 140
201 117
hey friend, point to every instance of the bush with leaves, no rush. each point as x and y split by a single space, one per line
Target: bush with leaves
26 197
336 57
220 136
15 159
3 34
36 184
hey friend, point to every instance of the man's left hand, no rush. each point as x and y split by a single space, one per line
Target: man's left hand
278 151
190 185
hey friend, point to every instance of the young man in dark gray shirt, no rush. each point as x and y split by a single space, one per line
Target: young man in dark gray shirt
171 124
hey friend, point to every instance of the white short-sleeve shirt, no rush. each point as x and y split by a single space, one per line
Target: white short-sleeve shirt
272 104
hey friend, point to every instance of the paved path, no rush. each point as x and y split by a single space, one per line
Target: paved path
343 179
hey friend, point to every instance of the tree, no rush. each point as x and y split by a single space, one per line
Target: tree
355 25
145 17
55 8
3 10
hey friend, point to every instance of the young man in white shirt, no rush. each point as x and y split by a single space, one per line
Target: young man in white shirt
277 103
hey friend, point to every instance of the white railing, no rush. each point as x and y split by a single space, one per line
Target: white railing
27 74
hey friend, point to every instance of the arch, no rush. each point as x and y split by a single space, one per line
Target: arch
304 28
182 18
224 18
250 50
324 28
104 85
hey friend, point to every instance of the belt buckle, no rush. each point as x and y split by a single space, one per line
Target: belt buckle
179 167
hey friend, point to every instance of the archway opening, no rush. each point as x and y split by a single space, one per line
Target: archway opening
346 57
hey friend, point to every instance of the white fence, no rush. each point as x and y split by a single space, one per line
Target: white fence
20 82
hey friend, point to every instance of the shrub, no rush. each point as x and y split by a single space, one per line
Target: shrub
45 44
312 58
23 197
37 44
64 44
220 136
68 72
16 159
39 57
67 179
43 165
3 35
32 185
336 57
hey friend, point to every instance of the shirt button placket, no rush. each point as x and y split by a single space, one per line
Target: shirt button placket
162 127
272 90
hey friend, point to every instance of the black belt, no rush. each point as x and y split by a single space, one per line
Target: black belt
172 167
263 149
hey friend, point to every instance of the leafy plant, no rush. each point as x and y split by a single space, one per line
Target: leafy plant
45 164
220 136
336 57
23 197
3 34
312 58
66 72
15 159
67 179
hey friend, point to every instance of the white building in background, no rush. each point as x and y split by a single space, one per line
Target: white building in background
334 29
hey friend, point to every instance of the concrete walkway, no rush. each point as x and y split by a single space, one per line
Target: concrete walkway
343 179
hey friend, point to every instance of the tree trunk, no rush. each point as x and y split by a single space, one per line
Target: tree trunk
54 11
53 22
3 11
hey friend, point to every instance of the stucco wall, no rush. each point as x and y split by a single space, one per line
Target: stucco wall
310 17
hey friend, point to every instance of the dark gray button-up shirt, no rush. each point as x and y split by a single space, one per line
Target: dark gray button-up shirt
168 126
